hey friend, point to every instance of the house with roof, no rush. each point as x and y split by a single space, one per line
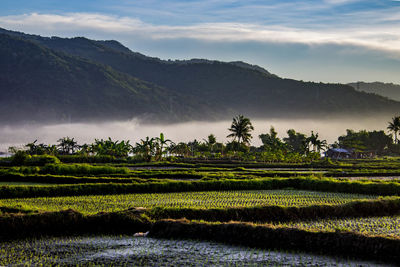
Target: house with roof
338 153
343 153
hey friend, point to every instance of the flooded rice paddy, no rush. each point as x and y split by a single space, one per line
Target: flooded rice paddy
143 251
204 199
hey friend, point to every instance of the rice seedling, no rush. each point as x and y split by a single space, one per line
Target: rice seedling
207 199
130 251
382 226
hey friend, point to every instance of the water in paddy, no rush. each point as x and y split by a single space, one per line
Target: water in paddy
140 251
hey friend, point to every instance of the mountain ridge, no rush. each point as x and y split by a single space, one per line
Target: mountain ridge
389 90
78 82
118 83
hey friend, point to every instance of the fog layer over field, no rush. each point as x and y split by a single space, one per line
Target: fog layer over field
133 130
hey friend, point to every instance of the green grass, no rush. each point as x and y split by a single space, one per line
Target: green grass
384 226
210 199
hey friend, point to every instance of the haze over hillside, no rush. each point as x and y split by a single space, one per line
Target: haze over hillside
60 80
389 90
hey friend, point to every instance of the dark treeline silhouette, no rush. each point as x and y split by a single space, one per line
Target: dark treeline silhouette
296 147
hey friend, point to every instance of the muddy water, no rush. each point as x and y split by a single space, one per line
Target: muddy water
141 251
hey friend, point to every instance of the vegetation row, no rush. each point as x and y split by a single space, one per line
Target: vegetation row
294 215
302 183
61 179
190 200
296 148
353 209
70 222
382 226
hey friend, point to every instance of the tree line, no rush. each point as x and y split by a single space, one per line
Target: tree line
296 147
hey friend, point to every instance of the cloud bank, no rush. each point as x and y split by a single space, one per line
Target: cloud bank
379 37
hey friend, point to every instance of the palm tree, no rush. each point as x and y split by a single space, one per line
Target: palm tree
180 149
146 148
316 143
161 142
67 145
394 126
241 128
210 142
111 148
321 145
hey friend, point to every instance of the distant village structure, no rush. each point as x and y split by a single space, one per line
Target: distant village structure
342 153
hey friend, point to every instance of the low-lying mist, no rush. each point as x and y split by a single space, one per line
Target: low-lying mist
134 130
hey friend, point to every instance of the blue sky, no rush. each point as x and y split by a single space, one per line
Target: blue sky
330 41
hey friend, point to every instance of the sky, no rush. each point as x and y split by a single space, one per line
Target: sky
329 40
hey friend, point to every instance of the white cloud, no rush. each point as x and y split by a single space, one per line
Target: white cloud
340 2
382 37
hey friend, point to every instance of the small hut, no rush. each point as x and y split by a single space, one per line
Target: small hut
338 153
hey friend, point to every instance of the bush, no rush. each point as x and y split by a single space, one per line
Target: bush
41 160
87 159
81 169
20 158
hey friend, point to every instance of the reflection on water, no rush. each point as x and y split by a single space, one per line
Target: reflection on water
134 130
139 251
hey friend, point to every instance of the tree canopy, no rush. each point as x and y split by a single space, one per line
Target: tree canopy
241 129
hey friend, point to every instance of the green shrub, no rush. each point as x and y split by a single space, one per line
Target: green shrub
87 159
41 160
81 169
20 158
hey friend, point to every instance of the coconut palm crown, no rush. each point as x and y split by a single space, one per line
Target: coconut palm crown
394 126
241 128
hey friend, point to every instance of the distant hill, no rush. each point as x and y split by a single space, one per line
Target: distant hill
39 84
77 79
389 90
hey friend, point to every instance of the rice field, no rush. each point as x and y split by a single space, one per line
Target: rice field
208 199
144 251
139 251
23 183
388 226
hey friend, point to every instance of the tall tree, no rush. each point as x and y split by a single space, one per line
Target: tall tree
111 148
146 148
394 126
67 145
180 149
241 128
159 145
296 141
271 141
210 142
315 142
363 141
